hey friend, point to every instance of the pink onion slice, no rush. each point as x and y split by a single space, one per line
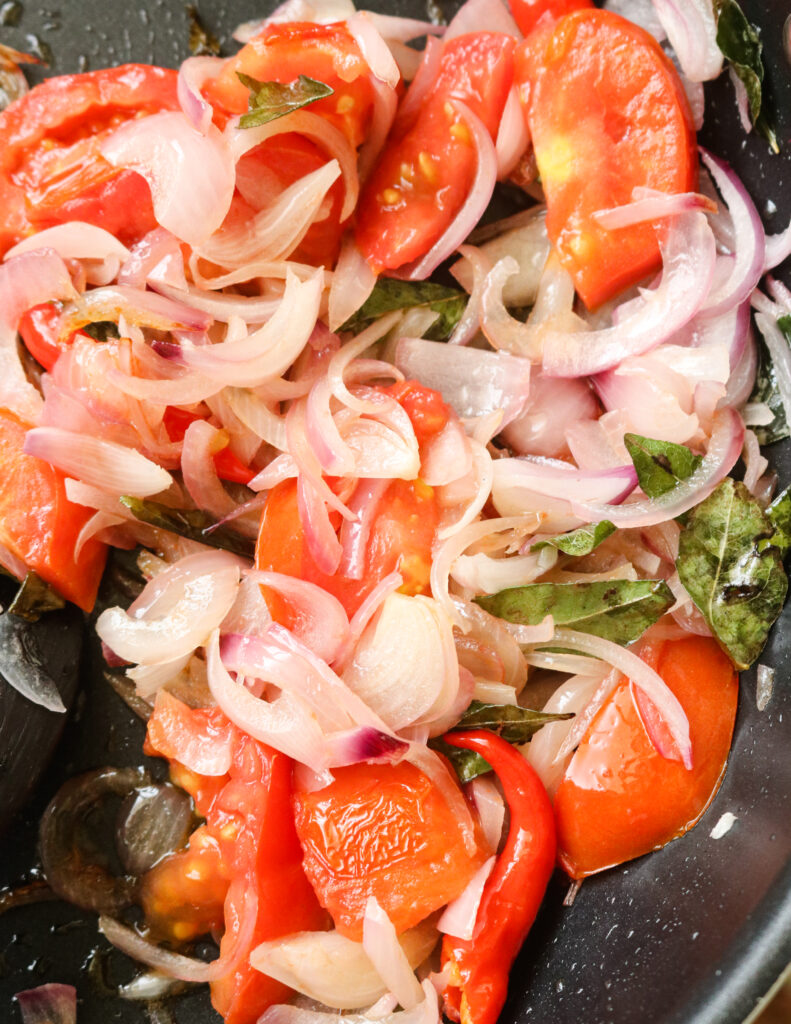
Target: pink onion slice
692 30
355 532
724 449
383 949
48 1004
199 471
194 72
512 135
458 918
560 480
303 122
419 88
104 464
474 205
352 283
648 204
369 607
482 15
471 380
139 308
644 678
689 255
403 30
750 240
778 249
377 56
165 149
74 240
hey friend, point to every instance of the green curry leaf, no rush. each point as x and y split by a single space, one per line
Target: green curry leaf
270 100
578 542
389 295
34 598
737 582
618 610
779 515
660 465
190 523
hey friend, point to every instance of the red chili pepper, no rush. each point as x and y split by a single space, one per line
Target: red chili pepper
228 466
513 893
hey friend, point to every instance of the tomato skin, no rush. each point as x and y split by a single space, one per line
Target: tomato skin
423 178
527 13
229 466
40 525
620 798
425 407
607 112
51 170
384 831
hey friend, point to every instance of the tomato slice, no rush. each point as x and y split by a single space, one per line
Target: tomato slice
620 798
383 831
51 170
527 13
423 178
607 112
40 525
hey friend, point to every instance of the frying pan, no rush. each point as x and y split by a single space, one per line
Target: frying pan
694 934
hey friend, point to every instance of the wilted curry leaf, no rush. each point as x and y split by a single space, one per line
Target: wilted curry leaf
270 100
578 542
618 610
737 581
659 464
389 295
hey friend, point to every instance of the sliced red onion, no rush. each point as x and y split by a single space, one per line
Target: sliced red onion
778 249
332 452
176 611
150 679
384 112
512 135
340 362
480 625
482 15
420 88
199 471
334 970
642 676
225 308
194 72
403 30
411 685
270 350
384 446
426 1012
689 255
258 417
160 250
320 536
25 281
287 723
558 479
742 101
460 915
48 1004
447 456
471 380
278 228
480 574
490 806
374 49
165 149
648 205
483 471
364 743
174 965
750 240
657 401
104 464
352 283
383 949
477 200
321 622
755 465
303 122
470 321
139 308
724 449
554 408
369 607
74 240
692 30
355 532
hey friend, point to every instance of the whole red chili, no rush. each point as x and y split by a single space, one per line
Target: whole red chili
479 968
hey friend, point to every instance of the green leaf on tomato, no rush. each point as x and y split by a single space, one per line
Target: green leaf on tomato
190 523
779 515
578 542
660 465
736 581
271 100
617 610
35 598
741 46
767 392
389 295
512 723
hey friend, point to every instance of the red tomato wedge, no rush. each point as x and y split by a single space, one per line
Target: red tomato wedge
423 178
383 831
51 170
39 329
607 112
229 466
620 798
527 13
40 525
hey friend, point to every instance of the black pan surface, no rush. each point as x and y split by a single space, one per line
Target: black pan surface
694 934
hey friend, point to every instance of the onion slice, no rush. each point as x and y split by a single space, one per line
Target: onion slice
383 949
459 916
